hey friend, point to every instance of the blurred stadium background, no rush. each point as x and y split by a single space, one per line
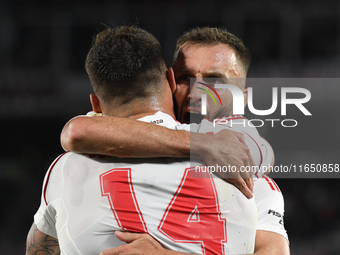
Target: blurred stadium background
43 45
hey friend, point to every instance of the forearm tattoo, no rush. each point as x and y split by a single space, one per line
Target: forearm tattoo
39 243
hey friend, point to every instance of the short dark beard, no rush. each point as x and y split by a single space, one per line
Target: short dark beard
225 111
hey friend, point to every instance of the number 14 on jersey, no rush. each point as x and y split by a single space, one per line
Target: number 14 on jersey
193 215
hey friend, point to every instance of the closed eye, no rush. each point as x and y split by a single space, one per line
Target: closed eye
214 80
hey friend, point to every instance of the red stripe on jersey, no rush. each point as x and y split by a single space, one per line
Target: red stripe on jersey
49 173
277 187
271 183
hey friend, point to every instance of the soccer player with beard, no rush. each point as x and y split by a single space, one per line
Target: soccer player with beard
201 53
86 198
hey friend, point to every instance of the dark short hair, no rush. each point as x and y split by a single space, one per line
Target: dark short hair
126 62
213 36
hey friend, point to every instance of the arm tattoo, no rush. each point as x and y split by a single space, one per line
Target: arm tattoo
39 243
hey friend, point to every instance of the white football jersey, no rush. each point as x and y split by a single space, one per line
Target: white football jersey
260 150
86 198
268 197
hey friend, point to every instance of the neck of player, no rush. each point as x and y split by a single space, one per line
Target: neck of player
139 108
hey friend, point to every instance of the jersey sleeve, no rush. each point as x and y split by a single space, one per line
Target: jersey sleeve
259 148
45 217
267 156
251 136
270 206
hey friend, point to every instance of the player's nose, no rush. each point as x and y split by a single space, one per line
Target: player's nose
196 92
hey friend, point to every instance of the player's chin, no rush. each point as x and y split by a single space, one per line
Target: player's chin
189 117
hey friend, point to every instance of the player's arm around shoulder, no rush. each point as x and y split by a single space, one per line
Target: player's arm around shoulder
40 243
123 137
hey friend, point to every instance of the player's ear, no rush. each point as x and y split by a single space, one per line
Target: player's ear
170 75
95 103
245 96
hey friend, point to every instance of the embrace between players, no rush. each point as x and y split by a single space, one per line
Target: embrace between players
149 186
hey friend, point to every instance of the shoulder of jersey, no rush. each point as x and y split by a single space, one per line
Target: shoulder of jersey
266 183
